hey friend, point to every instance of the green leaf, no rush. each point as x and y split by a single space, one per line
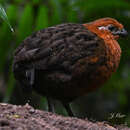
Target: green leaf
36 1
72 16
42 18
56 14
6 36
25 23
3 15
10 85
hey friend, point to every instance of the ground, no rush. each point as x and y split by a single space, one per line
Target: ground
13 117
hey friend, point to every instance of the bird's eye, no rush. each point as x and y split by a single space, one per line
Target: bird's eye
112 28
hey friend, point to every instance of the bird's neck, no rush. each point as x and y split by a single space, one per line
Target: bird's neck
110 42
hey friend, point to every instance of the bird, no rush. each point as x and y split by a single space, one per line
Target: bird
66 61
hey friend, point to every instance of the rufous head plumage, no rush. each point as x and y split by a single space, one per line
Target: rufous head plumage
106 26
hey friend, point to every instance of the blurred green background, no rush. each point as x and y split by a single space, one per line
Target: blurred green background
27 16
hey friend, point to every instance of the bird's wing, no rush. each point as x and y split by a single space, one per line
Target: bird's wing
57 45
58 48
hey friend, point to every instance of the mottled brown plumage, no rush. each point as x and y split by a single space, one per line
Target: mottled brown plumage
68 60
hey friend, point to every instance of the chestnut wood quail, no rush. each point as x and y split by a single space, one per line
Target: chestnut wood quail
69 60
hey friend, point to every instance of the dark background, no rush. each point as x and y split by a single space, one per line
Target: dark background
27 16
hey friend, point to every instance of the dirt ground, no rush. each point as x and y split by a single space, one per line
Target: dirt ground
13 117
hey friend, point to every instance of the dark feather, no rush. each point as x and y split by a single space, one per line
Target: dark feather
54 53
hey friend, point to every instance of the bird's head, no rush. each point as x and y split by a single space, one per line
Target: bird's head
107 26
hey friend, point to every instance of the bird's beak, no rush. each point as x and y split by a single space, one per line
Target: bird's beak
122 33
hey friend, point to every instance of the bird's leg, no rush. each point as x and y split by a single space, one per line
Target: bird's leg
28 84
68 108
50 105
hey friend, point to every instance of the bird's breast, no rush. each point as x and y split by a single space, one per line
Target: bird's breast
104 71
93 72
113 54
